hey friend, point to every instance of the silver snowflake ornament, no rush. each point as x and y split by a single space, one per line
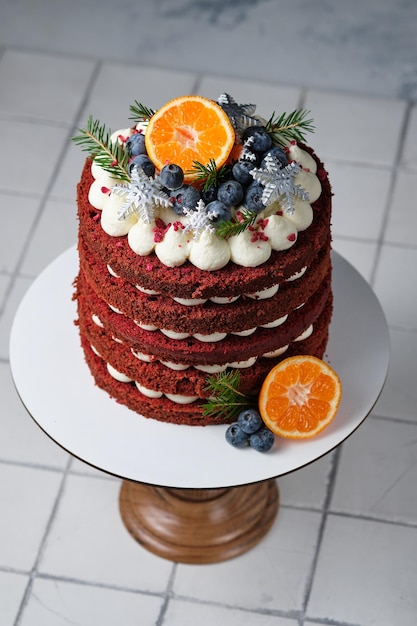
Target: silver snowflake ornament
247 154
199 220
240 115
278 181
142 195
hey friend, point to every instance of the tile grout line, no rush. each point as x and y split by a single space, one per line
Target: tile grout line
56 469
197 83
302 97
388 205
330 622
325 510
45 195
34 570
369 240
97 584
33 121
19 49
369 518
167 596
28 465
290 614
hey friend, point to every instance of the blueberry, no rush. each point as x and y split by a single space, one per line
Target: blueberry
249 420
278 153
218 211
135 144
144 162
209 194
185 196
236 437
261 140
262 440
172 176
230 192
253 197
241 172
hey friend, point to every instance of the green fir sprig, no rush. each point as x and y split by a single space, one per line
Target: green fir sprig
209 174
226 401
110 156
291 126
226 229
140 113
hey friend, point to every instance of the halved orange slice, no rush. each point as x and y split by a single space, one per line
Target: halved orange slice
187 129
300 397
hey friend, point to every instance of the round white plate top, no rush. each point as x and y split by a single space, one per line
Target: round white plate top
58 391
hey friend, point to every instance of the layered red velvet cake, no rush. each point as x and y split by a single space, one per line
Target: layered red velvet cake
188 274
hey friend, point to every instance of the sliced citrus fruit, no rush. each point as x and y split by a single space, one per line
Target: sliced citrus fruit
300 397
187 129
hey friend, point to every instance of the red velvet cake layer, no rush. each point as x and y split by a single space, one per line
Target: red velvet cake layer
164 312
231 348
164 409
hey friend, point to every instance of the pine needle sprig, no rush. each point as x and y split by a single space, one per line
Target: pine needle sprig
226 401
291 126
226 229
209 174
110 156
140 113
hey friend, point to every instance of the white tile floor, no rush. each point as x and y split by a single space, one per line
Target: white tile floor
342 551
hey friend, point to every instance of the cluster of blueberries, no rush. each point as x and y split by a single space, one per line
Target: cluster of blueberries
240 187
250 430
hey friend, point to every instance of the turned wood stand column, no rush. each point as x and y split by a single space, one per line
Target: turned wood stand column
198 525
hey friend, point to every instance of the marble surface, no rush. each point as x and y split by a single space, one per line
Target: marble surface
366 47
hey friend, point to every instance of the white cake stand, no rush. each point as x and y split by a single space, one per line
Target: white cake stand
187 495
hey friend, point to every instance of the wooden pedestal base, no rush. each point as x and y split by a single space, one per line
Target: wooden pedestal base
198 525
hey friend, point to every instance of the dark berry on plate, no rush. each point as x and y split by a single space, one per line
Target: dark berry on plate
260 139
185 196
249 420
236 437
135 144
144 162
172 176
241 172
278 153
230 192
253 197
217 211
262 440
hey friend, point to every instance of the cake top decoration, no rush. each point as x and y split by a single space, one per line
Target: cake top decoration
279 185
241 115
199 220
142 195
188 129
204 166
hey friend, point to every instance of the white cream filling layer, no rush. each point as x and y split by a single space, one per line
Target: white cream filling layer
213 337
210 369
208 338
307 333
217 368
264 294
